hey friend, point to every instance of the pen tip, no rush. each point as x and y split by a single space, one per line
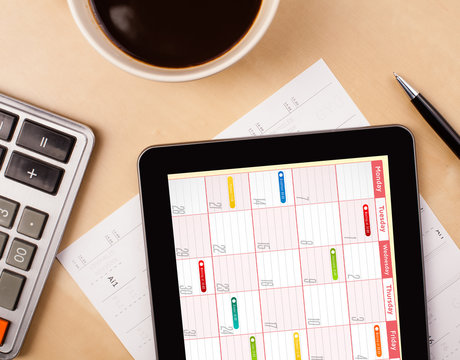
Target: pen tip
396 75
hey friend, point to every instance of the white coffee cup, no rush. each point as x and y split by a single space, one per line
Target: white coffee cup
84 17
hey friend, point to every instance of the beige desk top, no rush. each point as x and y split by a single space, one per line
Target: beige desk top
45 60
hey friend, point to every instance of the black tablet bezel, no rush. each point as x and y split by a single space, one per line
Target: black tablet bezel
396 142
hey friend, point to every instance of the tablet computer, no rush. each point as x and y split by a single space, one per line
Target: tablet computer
304 246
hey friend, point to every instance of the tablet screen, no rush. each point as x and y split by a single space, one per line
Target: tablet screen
294 261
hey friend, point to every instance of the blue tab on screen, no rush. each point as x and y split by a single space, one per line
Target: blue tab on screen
282 187
236 322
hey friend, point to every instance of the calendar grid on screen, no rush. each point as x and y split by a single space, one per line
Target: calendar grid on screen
287 262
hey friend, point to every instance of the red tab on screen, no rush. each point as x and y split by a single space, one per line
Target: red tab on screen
377 176
385 259
367 224
393 340
202 276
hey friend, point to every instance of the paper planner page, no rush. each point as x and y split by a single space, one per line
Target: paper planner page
287 261
101 261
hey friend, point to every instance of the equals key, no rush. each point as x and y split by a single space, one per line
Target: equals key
45 141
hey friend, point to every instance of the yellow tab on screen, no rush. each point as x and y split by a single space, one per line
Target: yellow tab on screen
231 192
297 346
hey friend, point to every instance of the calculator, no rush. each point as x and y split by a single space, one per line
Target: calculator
43 158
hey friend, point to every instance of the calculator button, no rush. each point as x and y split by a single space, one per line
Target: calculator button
46 141
3 240
7 125
11 285
2 155
4 324
32 223
21 254
34 173
8 210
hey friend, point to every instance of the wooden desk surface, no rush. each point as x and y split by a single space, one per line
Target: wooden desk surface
46 61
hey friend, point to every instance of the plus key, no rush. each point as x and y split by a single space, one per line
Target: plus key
34 173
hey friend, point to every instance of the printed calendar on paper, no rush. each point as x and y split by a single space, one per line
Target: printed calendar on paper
293 261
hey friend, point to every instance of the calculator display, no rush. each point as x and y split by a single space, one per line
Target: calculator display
293 261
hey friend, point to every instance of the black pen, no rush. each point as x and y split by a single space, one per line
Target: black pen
432 116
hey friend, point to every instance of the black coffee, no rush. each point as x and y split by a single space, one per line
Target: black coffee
175 33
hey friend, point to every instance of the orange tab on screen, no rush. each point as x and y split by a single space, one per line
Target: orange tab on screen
378 341
3 329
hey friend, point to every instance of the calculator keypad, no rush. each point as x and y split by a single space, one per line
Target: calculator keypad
8 210
4 324
11 285
42 161
7 125
3 240
45 141
35 173
2 155
32 223
21 254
